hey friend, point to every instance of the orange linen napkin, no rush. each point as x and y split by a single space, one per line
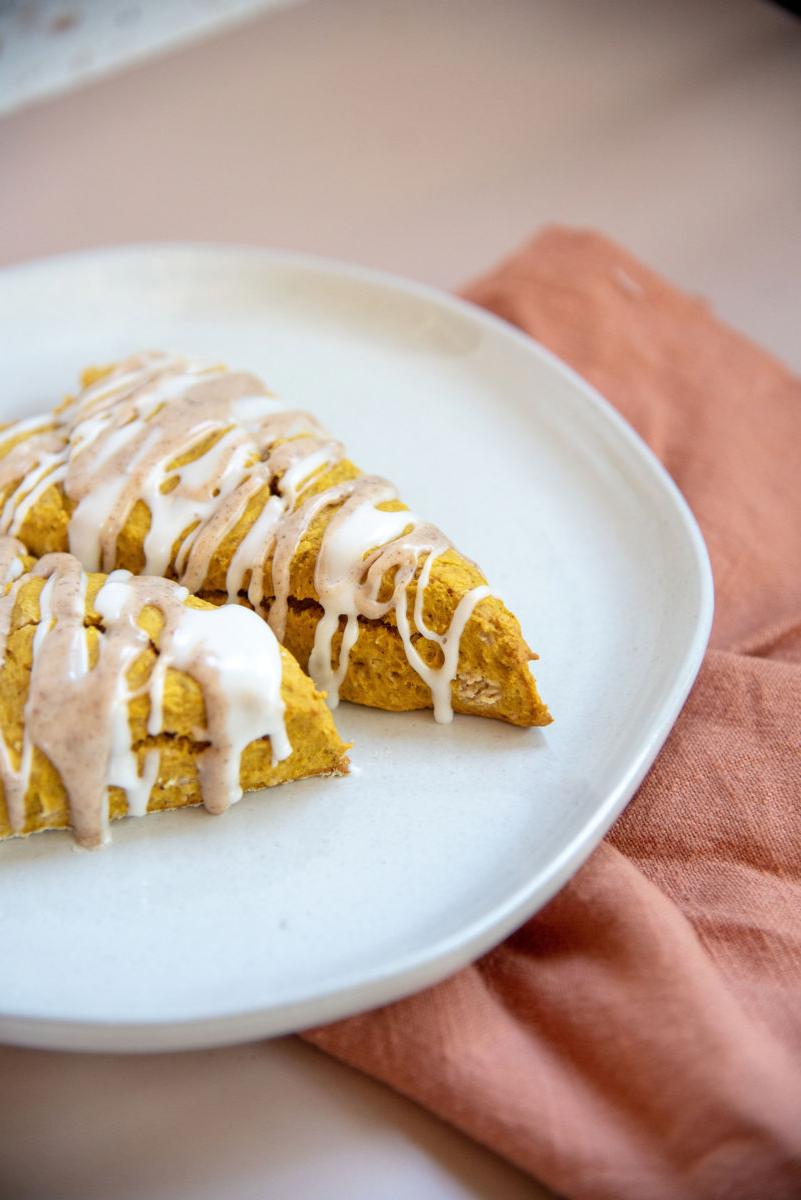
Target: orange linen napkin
640 1038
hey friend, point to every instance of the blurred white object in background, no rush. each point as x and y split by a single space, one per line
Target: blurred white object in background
429 137
50 46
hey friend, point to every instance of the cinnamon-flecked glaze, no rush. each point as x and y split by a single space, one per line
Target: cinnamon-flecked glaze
201 475
123 694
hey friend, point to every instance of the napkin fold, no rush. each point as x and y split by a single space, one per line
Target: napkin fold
640 1038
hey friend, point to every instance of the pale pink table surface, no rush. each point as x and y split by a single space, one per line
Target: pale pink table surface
427 137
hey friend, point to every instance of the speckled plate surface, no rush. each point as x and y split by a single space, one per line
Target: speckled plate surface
323 898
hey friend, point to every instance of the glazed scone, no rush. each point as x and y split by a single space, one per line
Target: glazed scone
123 695
200 475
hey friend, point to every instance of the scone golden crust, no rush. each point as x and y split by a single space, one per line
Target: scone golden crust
157 691
242 500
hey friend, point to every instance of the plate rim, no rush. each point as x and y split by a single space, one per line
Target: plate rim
365 990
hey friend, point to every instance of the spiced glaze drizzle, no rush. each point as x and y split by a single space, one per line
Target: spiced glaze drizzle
76 711
119 442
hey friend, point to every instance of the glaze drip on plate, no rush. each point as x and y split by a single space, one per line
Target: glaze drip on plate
76 712
199 445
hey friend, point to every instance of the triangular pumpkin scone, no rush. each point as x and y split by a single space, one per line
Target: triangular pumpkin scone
121 695
200 474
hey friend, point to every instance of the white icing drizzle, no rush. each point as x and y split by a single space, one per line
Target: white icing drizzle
49 470
361 546
12 561
353 532
78 717
251 554
122 441
37 460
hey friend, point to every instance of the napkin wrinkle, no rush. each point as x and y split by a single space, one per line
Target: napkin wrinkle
640 1037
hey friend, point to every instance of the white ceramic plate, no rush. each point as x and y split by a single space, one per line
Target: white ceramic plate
322 898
